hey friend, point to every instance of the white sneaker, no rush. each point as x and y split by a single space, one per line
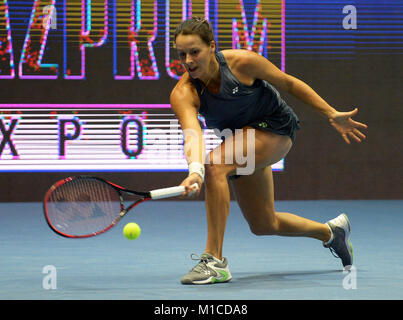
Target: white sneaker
340 246
208 270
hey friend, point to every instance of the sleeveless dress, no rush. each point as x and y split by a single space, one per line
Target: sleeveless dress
237 105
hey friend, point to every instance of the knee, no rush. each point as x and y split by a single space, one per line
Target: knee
214 172
266 228
263 231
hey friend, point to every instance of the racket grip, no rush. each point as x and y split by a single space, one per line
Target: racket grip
169 192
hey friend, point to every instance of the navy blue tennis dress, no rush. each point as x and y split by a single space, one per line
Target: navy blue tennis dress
237 105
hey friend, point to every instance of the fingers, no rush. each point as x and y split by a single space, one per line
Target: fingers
360 134
355 111
191 190
349 114
356 123
355 137
353 131
360 125
344 136
355 134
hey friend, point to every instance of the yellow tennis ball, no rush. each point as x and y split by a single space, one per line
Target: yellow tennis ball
132 231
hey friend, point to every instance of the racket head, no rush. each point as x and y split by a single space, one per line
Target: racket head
82 206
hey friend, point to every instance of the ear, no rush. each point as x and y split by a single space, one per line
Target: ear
213 45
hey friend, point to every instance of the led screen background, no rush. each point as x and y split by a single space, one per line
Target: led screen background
133 39
126 62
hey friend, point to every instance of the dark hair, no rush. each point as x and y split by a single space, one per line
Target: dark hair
196 25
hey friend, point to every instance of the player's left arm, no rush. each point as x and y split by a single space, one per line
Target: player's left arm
259 67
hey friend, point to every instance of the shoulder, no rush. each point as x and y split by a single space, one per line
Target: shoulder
184 93
242 64
239 58
248 64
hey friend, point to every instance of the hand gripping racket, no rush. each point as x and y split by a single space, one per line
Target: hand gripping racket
85 206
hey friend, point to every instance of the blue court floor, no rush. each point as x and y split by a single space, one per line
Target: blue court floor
149 268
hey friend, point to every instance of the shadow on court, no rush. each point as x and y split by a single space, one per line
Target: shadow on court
270 277
285 280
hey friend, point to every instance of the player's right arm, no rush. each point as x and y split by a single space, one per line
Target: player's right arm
185 103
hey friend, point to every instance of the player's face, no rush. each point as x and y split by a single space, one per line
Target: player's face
195 55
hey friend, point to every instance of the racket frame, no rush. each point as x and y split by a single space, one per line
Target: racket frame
145 197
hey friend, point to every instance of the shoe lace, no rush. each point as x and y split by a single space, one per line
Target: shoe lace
202 265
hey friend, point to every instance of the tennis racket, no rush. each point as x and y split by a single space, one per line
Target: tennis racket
85 206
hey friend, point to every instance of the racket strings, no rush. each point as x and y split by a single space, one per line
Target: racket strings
83 206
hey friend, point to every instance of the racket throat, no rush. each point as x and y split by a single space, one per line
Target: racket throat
120 216
122 213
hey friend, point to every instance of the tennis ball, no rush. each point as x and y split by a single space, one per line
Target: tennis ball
132 231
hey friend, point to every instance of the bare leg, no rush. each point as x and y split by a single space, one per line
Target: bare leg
255 195
217 209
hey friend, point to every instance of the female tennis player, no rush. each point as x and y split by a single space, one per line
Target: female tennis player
235 91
